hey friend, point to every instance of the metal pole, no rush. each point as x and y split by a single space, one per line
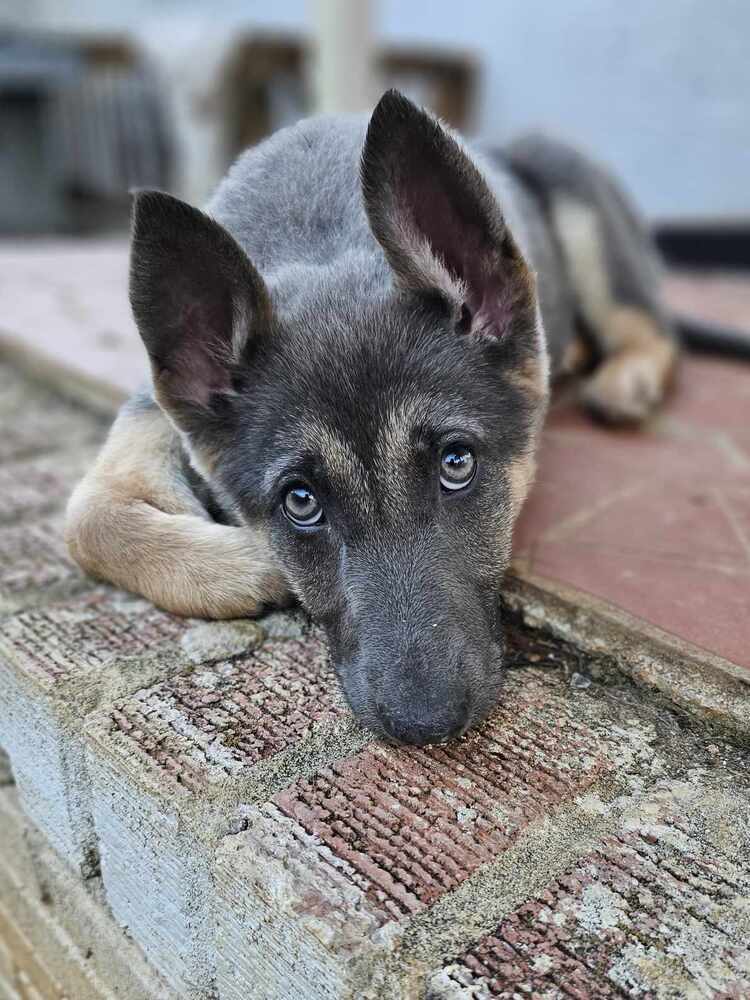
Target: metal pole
343 78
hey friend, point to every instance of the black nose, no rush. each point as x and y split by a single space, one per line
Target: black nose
421 731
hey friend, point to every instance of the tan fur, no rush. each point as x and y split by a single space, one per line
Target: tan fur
534 375
640 356
134 521
342 463
520 474
576 357
632 382
395 441
577 228
532 378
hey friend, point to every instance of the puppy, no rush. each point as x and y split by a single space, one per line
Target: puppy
351 355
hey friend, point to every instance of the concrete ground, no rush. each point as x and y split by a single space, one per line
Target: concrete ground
195 814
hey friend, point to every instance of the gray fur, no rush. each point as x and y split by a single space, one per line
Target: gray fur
279 198
553 169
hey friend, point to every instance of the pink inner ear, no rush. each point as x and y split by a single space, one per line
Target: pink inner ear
199 364
498 306
455 239
465 250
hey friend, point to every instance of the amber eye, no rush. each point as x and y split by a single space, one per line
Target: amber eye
457 467
301 507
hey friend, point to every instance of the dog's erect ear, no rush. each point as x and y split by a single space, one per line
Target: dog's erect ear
196 298
438 222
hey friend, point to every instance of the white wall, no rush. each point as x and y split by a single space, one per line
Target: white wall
660 89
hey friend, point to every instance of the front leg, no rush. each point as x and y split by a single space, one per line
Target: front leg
135 522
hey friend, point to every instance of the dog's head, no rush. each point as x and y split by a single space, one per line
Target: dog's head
381 420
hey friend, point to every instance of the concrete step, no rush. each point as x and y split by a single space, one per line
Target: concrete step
57 938
60 662
360 874
171 769
34 487
399 842
36 420
657 909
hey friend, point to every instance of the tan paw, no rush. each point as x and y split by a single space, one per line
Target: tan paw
627 388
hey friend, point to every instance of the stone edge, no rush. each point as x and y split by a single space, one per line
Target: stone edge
692 678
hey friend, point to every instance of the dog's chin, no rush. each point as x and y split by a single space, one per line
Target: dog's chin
356 691
488 694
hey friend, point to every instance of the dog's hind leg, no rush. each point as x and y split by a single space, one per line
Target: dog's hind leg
619 307
615 273
634 376
135 522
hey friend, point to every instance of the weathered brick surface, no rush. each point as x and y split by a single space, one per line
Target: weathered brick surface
261 743
218 721
35 420
653 912
171 766
59 662
395 833
34 565
414 824
70 640
34 487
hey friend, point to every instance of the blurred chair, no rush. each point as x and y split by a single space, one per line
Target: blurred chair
85 119
82 123
265 85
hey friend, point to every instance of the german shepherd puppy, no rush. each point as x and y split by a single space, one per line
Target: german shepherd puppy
351 355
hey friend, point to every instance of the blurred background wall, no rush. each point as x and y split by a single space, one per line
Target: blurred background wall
98 95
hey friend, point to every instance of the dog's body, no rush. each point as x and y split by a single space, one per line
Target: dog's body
350 372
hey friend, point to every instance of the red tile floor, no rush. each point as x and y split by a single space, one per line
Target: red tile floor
656 522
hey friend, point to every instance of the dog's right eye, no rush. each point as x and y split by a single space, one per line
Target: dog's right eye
457 467
301 507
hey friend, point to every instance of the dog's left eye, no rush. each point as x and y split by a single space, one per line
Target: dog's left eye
457 467
301 507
